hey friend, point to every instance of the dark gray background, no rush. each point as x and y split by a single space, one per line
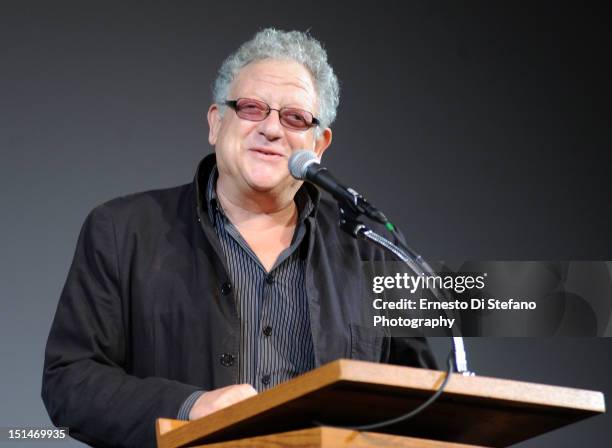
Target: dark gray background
481 128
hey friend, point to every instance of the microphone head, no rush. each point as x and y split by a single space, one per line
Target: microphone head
300 161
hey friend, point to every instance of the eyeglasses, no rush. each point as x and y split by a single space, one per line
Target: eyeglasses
290 117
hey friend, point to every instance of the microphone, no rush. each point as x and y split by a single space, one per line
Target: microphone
305 165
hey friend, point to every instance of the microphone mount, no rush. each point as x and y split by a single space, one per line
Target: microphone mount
350 223
347 196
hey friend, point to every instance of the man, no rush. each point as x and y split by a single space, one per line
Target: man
180 302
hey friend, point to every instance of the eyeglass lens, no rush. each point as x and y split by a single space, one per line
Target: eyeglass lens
255 110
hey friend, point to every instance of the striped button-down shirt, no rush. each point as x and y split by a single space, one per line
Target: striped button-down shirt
275 336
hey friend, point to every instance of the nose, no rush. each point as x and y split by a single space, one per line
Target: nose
271 127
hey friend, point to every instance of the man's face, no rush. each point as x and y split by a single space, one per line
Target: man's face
254 155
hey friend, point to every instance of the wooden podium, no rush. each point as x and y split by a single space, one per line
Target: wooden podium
472 412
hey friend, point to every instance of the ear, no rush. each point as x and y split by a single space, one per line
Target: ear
214 123
323 142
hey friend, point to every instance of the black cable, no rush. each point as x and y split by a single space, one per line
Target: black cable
403 417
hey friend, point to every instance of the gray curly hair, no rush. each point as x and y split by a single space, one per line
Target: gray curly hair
277 44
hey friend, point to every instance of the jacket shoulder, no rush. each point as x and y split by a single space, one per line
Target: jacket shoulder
146 200
147 208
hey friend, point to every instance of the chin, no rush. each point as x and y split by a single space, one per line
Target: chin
265 180
263 187
268 184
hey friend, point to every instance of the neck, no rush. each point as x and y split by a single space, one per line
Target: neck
257 210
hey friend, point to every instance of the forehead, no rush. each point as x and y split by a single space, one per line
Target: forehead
278 82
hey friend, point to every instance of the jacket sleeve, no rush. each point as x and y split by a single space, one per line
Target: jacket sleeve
85 386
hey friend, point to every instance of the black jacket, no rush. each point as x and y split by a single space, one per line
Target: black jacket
147 314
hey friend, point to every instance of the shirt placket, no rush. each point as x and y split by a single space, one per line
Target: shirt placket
266 334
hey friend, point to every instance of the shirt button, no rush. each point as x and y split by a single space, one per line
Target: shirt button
269 279
265 380
226 288
267 331
227 359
